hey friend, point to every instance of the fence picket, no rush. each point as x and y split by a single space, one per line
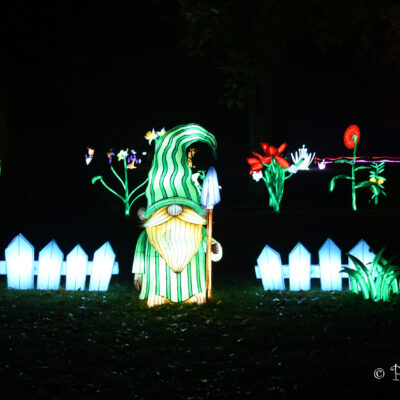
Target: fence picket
270 268
19 259
330 263
76 267
299 268
49 268
103 262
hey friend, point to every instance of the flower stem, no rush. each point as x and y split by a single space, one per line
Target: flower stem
353 175
126 201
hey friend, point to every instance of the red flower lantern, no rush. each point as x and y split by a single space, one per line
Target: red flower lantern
352 130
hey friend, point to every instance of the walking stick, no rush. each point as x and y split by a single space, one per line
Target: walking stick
209 198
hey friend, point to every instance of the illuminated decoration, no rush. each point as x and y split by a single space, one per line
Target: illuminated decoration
359 160
192 151
299 268
102 267
77 261
304 156
376 280
19 261
330 270
377 180
360 251
272 169
153 135
21 268
351 138
89 155
49 270
200 174
209 198
129 160
322 164
330 264
170 257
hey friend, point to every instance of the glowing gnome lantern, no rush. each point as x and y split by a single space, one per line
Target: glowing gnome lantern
170 255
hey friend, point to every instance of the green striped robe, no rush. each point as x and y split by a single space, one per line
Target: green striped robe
159 279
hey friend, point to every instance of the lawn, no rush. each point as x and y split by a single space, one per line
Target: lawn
245 344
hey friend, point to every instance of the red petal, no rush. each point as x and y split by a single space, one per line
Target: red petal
352 130
271 151
282 162
266 160
281 148
253 161
264 146
254 164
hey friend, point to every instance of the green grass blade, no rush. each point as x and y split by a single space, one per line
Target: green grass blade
359 278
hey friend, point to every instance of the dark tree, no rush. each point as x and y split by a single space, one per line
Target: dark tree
250 42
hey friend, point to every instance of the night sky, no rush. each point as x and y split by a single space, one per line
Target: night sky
103 73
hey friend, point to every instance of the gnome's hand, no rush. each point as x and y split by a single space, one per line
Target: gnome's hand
216 251
137 281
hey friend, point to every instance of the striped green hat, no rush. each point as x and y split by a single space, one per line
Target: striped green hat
170 177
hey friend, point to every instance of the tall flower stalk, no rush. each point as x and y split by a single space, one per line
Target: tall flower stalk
351 139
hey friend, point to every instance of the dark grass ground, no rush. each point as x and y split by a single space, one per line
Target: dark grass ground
245 344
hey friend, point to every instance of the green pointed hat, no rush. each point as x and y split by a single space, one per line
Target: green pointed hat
170 177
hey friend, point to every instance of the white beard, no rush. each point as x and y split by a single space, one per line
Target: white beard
176 238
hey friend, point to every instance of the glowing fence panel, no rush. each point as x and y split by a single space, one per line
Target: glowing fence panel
299 268
299 271
103 262
270 269
330 262
19 259
76 266
49 268
361 251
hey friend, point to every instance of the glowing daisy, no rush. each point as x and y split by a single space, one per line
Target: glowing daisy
122 154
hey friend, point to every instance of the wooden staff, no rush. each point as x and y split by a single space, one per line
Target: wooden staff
208 253
209 197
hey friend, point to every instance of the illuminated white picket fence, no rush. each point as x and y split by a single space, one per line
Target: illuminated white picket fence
300 270
20 267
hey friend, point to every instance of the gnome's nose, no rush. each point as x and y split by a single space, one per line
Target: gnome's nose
174 209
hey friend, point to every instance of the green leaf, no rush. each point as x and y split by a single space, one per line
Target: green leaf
359 279
96 178
364 184
361 167
375 265
359 265
333 180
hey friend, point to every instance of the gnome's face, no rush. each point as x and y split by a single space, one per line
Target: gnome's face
176 233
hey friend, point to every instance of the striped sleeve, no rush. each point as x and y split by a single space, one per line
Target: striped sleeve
140 256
